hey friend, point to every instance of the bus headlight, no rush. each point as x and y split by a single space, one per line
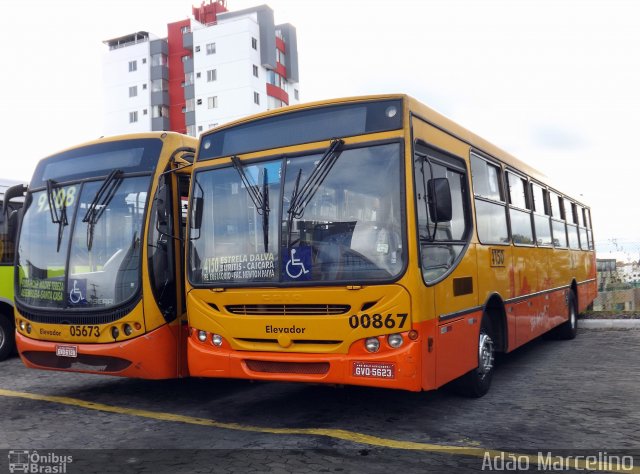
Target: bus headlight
115 332
21 325
395 340
372 344
127 330
202 335
28 328
216 339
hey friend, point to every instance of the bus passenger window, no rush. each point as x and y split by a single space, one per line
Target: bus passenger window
541 220
519 210
491 216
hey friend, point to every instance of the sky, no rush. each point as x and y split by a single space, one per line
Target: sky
554 82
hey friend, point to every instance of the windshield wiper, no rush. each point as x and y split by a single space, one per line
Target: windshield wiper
100 202
57 218
301 197
260 199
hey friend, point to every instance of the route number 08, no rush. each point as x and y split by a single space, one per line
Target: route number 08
63 197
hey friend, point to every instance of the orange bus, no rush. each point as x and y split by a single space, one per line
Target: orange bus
371 241
99 269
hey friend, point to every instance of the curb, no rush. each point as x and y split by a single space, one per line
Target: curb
609 323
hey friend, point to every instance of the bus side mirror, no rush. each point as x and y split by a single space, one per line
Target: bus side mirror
439 194
196 213
13 192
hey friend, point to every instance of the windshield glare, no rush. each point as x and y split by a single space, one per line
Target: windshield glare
348 228
104 263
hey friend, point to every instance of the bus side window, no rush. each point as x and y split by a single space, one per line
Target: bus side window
491 212
442 242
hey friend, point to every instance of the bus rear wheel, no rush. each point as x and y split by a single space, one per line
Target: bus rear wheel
569 329
7 340
476 382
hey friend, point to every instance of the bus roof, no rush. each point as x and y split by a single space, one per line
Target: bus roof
433 117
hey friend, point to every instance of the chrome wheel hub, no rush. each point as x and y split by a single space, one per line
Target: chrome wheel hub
485 354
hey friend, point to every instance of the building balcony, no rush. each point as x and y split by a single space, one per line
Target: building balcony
160 124
160 98
190 118
188 65
159 72
187 41
189 91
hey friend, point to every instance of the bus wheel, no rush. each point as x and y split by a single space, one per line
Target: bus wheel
569 328
476 382
7 341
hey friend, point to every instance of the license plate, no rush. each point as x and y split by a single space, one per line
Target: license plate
67 351
377 370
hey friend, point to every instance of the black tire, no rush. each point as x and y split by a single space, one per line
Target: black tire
476 382
569 329
7 337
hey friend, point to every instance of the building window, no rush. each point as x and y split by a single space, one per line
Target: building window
133 91
198 75
197 49
158 111
296 94
144 112
133 66
144 87
212 102
185 30
199 101
255 70
133 117
185 58
254 43
212 75
199 128
158 59
211 48
144 60
256 98
158 85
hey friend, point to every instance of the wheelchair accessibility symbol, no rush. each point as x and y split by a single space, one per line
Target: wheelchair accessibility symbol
297 265
77 293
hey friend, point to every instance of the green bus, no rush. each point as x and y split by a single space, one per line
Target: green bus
11 198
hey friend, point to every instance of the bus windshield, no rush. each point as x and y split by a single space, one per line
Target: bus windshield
80 244
331 216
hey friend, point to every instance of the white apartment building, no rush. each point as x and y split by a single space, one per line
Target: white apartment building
211 69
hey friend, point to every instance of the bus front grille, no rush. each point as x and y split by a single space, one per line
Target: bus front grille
304 368
288 309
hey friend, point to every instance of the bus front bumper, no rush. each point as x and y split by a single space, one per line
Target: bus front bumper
398 368
151 356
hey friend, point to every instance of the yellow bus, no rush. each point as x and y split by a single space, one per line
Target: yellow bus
11 198
99 268
371 241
